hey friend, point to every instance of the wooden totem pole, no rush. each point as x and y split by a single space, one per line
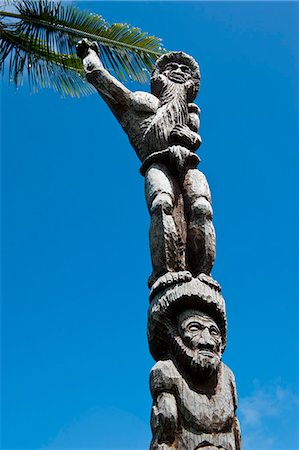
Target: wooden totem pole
194 392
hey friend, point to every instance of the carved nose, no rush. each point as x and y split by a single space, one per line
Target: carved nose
205 333
206 337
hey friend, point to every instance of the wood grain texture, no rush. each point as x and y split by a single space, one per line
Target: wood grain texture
194 393
187 337
162 127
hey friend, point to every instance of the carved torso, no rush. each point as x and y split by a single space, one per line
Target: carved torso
202 417
137 119
149 123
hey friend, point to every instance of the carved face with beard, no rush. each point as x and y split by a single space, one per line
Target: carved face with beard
198 343
175 72
175 81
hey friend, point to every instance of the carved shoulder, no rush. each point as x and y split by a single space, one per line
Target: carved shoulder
163 377
144 102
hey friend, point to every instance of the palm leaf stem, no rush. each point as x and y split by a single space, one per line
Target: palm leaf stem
58 59
103 40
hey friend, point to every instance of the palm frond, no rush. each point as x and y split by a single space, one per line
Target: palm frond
40 37
43 69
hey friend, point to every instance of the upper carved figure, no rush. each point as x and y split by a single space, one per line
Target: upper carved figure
162 128
153 121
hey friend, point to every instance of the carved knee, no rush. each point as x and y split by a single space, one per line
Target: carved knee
202 208
163 202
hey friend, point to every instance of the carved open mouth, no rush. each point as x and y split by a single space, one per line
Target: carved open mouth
176 77
206 350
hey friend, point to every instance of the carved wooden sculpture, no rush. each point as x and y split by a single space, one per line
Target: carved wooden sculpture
194 393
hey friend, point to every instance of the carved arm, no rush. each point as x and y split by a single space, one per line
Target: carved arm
115 94
194 115
237 433
164 420
236 425
186 135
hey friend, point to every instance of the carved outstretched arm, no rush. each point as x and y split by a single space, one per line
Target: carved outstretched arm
115 94
164 420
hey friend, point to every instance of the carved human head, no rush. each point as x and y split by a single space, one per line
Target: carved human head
176 68
187 323
197 344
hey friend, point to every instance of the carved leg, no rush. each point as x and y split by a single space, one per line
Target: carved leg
165 237
201 240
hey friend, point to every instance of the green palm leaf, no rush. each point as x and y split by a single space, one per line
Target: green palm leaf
38 42
42 68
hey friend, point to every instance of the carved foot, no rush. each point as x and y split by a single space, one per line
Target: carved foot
168 279
207 279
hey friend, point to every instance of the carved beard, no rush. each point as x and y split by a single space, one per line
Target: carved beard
193 361
173 110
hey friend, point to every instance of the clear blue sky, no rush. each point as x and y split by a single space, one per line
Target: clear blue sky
75 360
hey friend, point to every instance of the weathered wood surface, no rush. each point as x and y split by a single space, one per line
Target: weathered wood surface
162 128
194 393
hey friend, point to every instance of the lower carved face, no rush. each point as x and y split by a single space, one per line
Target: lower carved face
199 342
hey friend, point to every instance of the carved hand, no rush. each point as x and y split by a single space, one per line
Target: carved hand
164 419
88 51
84 46
181 134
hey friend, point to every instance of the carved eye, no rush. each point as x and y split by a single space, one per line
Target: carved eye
194 327
186 69
171 66
214 331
